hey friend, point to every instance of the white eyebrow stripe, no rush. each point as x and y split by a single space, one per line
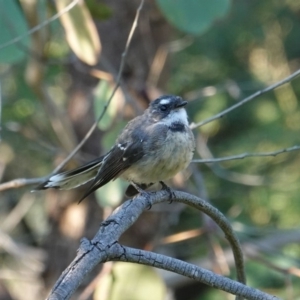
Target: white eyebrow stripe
164 101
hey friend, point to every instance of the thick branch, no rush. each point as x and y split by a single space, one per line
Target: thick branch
160 261
104 247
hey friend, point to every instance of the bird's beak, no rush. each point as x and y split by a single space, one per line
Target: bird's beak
182 103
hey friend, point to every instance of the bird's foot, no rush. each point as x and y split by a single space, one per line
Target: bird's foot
132 191
169 190
143 193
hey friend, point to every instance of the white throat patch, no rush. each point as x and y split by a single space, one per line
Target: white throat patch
176 116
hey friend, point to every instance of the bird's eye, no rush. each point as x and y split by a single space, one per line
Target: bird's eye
163 108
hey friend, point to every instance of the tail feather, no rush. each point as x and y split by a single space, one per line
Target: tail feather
73 178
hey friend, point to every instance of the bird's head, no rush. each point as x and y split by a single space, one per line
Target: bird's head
168 109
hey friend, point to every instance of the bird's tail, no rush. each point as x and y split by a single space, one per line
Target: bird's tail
74 178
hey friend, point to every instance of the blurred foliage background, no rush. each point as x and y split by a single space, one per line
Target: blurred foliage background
55 83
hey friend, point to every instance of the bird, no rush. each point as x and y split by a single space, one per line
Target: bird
152 147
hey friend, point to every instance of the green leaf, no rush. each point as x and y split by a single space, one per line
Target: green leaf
193 16
131 281
12 25
98 10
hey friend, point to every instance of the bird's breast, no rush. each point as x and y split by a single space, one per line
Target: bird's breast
164 157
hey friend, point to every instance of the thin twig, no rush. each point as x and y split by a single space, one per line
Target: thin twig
20 182
118 79
241 178
16 183
29 255
41 25
251 97
14 217
244 155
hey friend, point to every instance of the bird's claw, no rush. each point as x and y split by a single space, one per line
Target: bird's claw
169 190
144 194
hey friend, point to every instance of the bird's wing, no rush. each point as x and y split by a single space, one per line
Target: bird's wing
137 138
127 151
130 148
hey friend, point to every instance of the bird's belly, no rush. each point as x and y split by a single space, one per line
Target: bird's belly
170 158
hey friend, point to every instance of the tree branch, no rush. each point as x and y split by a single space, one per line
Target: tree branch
41 25
244 155
20 182
160 261
16 183
246 100
94 126
105 247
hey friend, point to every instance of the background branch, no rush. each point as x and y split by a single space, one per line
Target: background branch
20 182
244 155
117 84
247 99
41 25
